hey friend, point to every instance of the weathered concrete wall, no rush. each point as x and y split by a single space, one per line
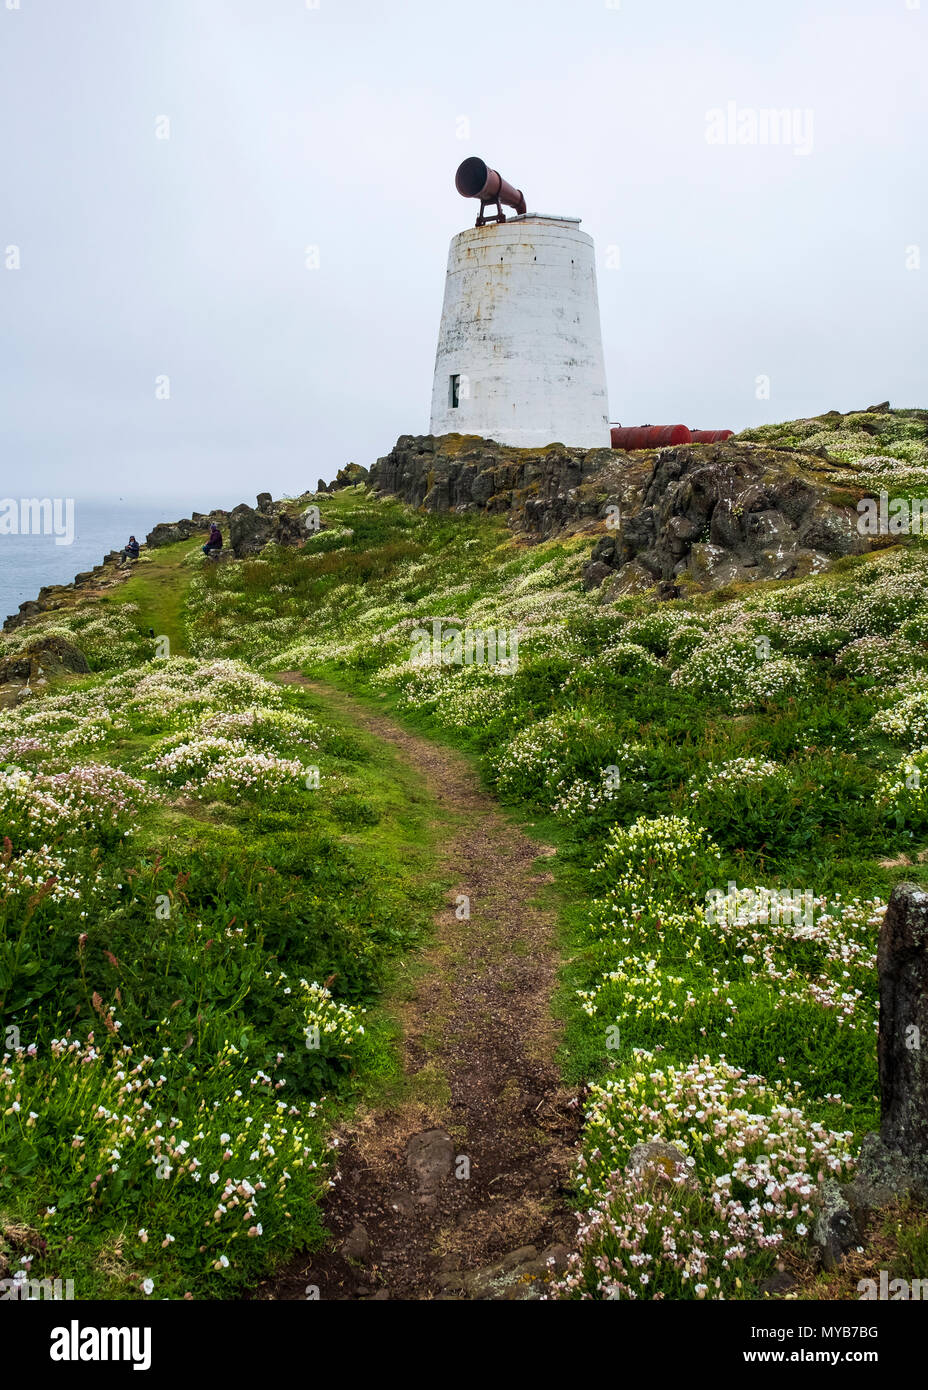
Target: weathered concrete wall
520 327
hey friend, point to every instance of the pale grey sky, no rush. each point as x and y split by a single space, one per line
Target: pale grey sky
340 127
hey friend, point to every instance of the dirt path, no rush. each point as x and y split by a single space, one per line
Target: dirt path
457 1191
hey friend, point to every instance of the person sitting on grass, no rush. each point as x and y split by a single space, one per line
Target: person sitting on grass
215 540
130 551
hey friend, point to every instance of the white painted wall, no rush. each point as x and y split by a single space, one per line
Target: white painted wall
520 325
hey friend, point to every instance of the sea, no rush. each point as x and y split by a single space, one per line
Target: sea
29 561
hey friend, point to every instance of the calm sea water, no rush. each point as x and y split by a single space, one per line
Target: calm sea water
28 562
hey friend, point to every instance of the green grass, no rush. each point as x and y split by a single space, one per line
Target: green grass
653 744
159 587
200 926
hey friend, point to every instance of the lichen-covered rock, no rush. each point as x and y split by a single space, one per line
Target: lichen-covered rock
348 476
895 1161
902 961
705 515
542 490
43 656
731 512
249 530
594 573
883 1175
170 532
655 1158
835 1230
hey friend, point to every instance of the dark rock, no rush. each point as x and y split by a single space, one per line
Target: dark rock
881 409
883 1175
290 530
541 489
170 532
403 1202
41 657
249 530
633 578
264 501
835 1230
894 1163
519 1275
666 591
604 550
713 514
429 1158
780 1282
595 572
356 1245
348 476
830 530
902 961
731 512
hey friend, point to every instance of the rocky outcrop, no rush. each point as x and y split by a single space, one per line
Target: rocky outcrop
54 596
44 655
251 529
703 515
348 476
542 491
729 512
28 670
170 532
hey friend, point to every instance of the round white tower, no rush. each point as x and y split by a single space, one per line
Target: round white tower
520 357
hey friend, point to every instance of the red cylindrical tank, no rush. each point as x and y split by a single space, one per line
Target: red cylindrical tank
648 436
710 436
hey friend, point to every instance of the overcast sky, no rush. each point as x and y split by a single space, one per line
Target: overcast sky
340 128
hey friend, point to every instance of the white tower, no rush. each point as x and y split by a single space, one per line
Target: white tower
520 356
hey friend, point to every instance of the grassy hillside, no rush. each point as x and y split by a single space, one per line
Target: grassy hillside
734 782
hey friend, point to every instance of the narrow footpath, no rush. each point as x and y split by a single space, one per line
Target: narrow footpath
458 1190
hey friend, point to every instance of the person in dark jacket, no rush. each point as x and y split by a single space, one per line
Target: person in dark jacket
130 551
215 539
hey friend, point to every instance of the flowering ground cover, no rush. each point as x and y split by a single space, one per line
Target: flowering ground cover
196 918
726 776
734 782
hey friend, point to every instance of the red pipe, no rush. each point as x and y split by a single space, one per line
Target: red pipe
655 436
648 436
710 436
